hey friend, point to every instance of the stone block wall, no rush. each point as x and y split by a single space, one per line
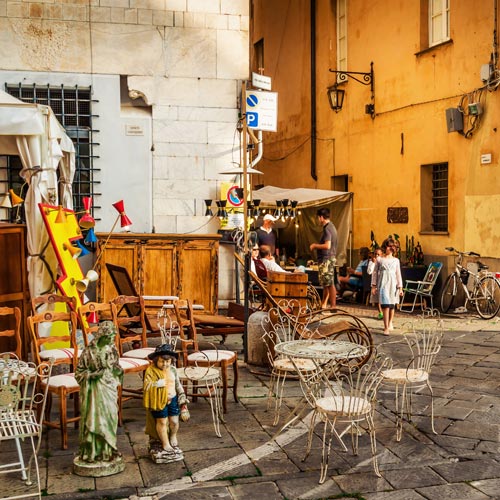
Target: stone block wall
185 59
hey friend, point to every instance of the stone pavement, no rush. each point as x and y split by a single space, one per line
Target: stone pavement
461 462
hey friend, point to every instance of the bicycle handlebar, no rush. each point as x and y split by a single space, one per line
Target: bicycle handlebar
470 254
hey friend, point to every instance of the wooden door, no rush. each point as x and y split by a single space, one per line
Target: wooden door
122 253
198 273
158 267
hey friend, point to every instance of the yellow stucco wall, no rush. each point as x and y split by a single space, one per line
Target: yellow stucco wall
413 89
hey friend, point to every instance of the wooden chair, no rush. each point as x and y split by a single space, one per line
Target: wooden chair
208 324
125 287
12 317
51 299
130 318
62 385
108 311
192 355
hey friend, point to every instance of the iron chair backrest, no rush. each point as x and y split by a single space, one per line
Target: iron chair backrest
424 347
21 391
352 385
12 316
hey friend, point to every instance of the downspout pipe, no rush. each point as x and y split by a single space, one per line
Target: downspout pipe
314 175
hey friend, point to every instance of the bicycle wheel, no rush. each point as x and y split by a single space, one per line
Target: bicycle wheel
449 293
487 293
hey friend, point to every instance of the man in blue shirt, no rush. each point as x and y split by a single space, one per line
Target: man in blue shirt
327 256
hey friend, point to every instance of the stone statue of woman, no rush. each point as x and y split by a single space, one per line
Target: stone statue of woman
99 375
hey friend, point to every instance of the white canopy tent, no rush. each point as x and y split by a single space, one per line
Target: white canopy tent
32 132
309 200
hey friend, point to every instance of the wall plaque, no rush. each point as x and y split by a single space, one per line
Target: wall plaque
397 215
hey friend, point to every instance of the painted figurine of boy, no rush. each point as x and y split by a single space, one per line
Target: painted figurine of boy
164 400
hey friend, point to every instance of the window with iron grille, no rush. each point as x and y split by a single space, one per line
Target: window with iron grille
72 106
434 197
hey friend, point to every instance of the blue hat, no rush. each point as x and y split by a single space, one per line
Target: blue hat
163 350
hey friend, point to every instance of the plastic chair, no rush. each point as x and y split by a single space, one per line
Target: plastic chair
23 396
413 374
422 289
62 385
347 397
12 315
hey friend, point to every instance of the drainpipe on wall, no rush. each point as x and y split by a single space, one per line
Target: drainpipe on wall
313 90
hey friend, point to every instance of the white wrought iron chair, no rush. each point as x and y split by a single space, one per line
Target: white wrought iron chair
212 358
413 374
281 327
193 376
22 404
343 396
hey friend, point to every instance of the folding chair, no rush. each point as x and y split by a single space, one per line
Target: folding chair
422 289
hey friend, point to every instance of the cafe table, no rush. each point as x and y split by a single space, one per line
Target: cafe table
326 355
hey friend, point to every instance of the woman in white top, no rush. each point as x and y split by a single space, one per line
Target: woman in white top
387 282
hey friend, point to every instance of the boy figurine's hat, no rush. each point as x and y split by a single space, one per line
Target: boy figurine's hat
163 350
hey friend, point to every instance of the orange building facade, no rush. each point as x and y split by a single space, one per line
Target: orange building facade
413 168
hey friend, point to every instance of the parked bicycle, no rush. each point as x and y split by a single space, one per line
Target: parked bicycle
481 289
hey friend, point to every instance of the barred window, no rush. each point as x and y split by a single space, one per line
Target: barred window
434 197
72 106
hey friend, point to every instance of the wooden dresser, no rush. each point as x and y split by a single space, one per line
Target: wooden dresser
185 265
14 290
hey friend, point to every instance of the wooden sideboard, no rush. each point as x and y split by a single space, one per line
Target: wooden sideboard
14 290
164 264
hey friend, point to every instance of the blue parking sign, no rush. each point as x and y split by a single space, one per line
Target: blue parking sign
252 119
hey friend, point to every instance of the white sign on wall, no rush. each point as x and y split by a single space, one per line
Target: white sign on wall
261 81
262 110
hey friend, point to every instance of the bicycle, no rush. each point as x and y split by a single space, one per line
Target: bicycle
483 291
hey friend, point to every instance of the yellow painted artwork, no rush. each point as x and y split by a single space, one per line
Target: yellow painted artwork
63 231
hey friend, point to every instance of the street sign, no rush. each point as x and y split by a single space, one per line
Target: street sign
262 110
261 81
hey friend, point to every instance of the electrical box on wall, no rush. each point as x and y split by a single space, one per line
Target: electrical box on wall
475 109
485 72
454 120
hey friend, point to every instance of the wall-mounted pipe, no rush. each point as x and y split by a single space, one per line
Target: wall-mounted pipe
314 174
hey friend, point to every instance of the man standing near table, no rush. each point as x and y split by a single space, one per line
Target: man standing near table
268 236
327 253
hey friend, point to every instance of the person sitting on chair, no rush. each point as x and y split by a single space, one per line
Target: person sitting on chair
266 257
354 279
257 266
